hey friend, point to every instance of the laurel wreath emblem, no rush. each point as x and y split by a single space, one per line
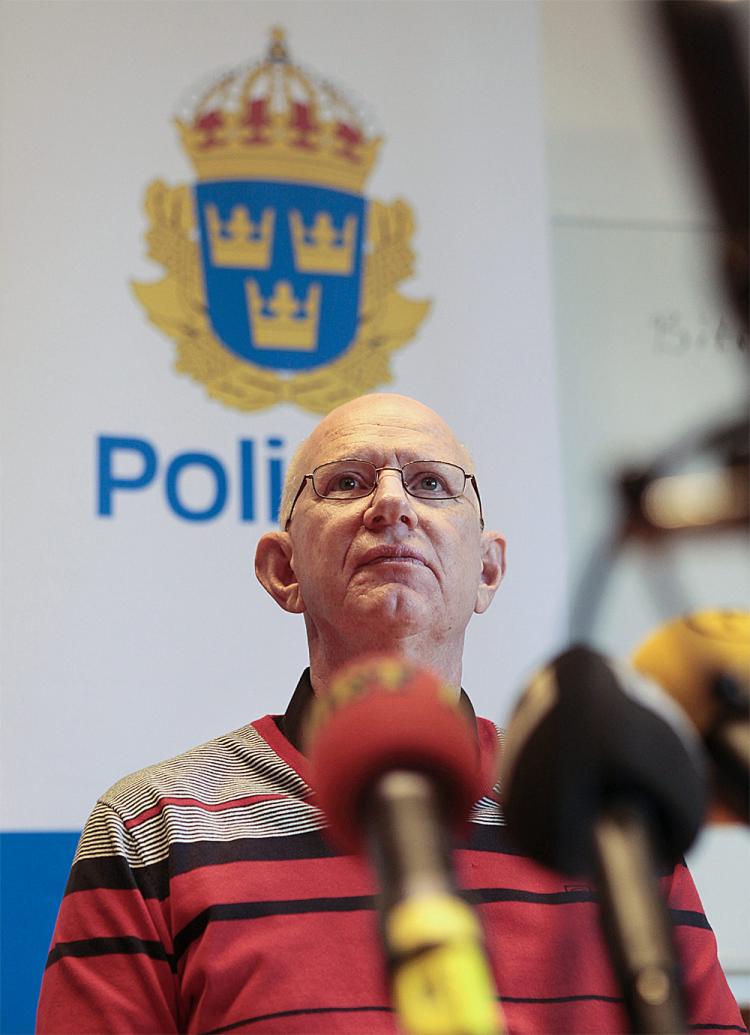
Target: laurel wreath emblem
176 304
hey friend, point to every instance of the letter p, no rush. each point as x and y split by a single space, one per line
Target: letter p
109 482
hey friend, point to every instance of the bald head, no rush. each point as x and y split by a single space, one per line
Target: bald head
361 423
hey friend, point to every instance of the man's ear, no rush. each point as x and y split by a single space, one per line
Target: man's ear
273 566
493 569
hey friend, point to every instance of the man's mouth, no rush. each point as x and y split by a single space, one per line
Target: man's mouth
395 560
392 555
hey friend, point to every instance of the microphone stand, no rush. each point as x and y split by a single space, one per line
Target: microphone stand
636 922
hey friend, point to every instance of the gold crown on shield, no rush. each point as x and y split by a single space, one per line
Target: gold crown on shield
276 121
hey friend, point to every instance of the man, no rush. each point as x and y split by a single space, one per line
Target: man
204 895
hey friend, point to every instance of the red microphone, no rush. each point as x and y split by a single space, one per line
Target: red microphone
383 714
395 765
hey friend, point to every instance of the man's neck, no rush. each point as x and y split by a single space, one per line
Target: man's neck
442 658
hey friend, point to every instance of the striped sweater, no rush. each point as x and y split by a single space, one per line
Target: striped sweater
204 897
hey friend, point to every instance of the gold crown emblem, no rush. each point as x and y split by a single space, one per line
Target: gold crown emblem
322 248
276 121
240 242
284 324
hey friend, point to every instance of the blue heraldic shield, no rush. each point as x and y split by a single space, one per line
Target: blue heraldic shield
282 269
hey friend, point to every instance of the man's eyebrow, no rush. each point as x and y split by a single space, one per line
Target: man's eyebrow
404 455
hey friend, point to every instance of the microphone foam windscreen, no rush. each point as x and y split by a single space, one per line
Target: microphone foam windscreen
584 737
687 654
380 714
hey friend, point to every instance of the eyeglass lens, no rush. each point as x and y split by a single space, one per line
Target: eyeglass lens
426 479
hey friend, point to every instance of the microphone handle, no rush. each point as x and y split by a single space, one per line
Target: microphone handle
636 923
442 983
407 838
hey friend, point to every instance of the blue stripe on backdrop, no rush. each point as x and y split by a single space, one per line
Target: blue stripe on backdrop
34 868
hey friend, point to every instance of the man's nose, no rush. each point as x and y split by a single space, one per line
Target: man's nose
390 503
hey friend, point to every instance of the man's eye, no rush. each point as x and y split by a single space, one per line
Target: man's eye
429 483
344 483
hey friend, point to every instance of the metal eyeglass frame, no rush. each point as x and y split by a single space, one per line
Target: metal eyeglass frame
311 478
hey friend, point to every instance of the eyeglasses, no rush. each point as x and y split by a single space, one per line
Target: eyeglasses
353 479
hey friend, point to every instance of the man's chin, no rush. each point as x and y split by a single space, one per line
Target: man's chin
393 604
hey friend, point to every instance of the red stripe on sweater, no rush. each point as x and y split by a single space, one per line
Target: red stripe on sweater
195 803
112 913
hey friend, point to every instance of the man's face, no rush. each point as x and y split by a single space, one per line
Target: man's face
388 563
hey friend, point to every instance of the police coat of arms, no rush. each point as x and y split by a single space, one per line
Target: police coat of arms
280 276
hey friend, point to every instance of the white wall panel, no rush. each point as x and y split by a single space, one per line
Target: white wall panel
649 350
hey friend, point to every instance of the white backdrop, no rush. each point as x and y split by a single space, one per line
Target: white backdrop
129 638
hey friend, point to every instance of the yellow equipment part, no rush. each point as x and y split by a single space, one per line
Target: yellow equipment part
442 983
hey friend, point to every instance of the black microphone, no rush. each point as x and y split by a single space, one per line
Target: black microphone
602 777
395 768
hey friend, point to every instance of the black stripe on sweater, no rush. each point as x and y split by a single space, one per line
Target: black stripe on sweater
254 910
297 1013
125 945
